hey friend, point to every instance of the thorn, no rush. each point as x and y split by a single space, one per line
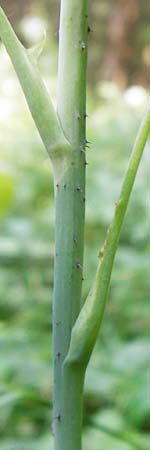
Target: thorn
58 355
85 116
89 30
78 188
78 117
65 186
57 185
58 418
58 323
88 142
74 239
83 279
82 46
86 163
84 199
82 150
78 265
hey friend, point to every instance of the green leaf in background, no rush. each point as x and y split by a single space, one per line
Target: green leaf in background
8 398
6 192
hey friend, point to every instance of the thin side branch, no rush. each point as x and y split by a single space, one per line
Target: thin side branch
87 326
36 94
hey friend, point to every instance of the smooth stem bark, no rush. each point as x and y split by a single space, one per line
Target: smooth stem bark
70 217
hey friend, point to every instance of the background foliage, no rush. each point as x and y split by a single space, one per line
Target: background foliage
117 382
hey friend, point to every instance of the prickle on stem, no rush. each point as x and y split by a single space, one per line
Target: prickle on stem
78 265
82 46
78 117
82 149
89 29
74 239
58 418
78 187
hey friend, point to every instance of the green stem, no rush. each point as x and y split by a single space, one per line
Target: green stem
70 217
87 326
72 407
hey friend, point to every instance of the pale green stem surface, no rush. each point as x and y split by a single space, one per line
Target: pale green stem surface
88 323
70 217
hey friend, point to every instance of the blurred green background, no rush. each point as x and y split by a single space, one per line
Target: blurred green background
117 390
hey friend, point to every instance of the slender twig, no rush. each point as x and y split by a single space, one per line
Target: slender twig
87 326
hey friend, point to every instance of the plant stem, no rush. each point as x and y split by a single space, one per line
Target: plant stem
88 323
70 217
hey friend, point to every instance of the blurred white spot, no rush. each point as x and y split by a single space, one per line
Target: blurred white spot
6 109
9 86
33 28
135 96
